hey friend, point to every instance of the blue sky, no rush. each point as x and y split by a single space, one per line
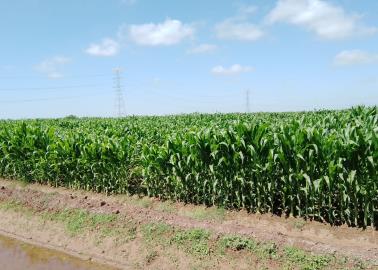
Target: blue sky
57 57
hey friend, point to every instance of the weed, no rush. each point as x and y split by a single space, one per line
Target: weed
237 243
166 207
213 213
151 256
155 231
76 221
299 224
144 202
195 241
304 260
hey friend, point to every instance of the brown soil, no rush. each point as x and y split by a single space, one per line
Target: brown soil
311 236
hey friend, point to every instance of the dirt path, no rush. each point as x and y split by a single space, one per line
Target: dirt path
310 236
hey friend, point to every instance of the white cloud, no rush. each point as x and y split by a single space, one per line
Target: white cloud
355 57
238 27
107 47
245 11
325 19
51 67
169 32
233 29
203 48
232 70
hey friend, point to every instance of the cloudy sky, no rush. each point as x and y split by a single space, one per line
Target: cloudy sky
57 57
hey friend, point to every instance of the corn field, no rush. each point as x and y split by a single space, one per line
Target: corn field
318 165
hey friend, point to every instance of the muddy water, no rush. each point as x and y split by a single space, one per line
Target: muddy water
17 255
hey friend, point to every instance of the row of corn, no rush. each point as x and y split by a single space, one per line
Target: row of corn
318 165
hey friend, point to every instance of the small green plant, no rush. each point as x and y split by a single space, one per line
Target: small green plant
359 265
267 250
156 232
211 213
12 204
144 202
151 256
166 206
304 260
237 243
194 241
299 224
76 221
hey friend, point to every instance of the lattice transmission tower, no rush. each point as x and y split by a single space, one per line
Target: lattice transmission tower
120 108
247 107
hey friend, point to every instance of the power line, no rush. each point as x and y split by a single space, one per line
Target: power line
52 87
120 107
137 87
65 76
47 99
191 99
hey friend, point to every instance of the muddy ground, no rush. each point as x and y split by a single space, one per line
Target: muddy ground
314 237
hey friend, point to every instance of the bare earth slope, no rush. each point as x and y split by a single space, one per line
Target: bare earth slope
310 236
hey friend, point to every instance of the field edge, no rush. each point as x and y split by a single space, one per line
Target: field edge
105 221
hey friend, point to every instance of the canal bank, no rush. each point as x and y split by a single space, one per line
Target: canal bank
144 233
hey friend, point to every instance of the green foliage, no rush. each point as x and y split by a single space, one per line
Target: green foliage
213 213
304 260
155 231
237 243
191 235
196 241
317 165
77 221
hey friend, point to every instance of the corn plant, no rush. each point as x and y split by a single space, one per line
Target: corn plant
318 165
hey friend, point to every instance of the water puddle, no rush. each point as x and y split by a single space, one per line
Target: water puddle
17 255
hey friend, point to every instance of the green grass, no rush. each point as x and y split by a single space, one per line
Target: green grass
237 243
12 205
211 213
299 224
195 241
16 206
151 256
166 206
144 202
192 241
155 232
305 261
78 221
